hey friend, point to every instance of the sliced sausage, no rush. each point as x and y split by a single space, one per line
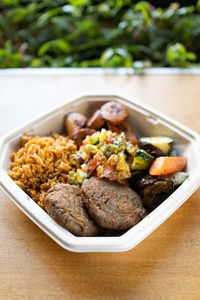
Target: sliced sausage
74 122
81 134
114 112
126 128
96 121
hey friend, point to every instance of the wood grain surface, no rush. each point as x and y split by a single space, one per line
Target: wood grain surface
166 265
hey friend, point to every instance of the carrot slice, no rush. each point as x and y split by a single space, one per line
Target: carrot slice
167 165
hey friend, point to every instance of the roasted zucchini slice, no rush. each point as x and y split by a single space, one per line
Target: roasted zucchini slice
150 148
164 143
178 178
142 160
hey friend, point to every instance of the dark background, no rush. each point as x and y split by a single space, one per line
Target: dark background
165 3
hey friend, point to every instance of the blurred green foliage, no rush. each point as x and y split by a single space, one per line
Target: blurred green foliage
93 33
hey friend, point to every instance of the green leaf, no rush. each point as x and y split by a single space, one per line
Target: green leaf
185 10
36 63
45 17
10 2
177 56
57 46
144 8
116 57
44 48
191 56
9 60
79 3
198 6
62 45
18 14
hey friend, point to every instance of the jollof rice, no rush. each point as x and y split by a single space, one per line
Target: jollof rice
41 163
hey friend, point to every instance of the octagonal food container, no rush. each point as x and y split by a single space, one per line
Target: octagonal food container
146 122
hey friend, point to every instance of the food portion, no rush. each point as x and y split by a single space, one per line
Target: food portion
167 165
106 154
126 129
74 122
81 134
150 148
178 178
163 143
153 190
41 163
96 121
114 112
64 203
112 205
97 177
142 160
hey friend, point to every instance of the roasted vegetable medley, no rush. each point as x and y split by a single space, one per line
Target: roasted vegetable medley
105 154
101 176
109 149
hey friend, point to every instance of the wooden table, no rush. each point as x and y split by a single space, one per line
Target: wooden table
166 265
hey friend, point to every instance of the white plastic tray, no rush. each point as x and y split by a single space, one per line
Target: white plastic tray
147 122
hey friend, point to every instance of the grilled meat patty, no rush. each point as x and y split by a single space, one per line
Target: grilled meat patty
112 205
65 205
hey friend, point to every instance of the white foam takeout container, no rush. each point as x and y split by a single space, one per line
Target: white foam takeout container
146 122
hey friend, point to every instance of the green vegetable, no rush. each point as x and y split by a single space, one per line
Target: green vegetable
94 139
103 147
164 143
81 175
89 33
130 148
178 178
142 160
121 138
103 135
121 165
72 177
115 148
119 143
91 148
